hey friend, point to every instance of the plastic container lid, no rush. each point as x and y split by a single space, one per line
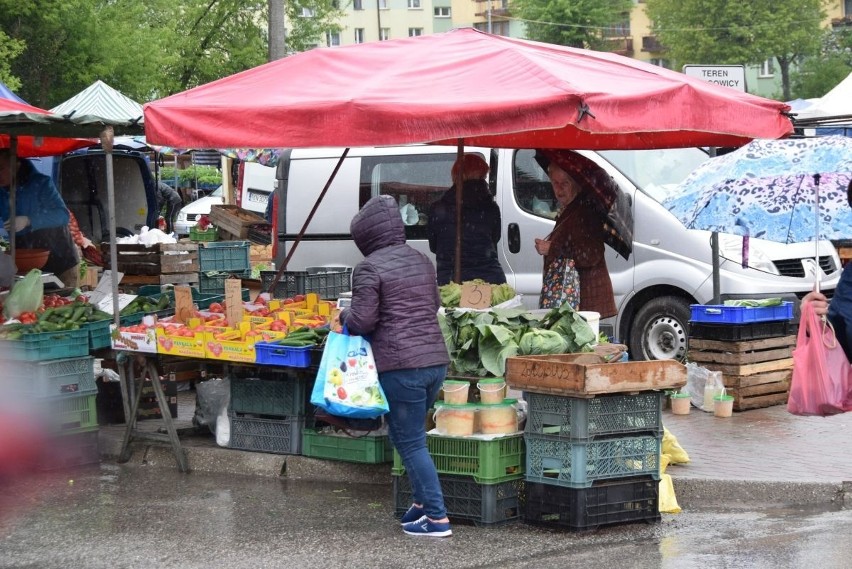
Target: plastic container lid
505 402
472 406
455 382
488 380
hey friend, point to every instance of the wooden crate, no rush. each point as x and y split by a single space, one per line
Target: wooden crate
586 375
157 260
756 372
234 220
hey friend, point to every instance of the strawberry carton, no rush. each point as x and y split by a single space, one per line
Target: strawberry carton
140 337
237 344
187 340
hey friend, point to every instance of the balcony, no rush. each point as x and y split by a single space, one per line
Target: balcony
652 44
621 46
840 23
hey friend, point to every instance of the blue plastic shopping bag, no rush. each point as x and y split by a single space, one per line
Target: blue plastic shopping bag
347 383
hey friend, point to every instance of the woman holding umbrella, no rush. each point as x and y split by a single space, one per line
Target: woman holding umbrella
575 268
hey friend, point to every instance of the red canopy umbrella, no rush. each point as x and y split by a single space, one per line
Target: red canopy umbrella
464 84
15 116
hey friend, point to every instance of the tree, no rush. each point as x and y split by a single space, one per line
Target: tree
277 30
736 32
310 21
9 50
818 75
576 23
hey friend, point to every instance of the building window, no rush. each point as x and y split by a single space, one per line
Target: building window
332 39
357 5
384 34
767 68
618 29
308 12
383 4
660 62
413 4
359 35
847 8
412 32
442 11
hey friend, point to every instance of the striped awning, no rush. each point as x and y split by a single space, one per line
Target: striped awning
100 102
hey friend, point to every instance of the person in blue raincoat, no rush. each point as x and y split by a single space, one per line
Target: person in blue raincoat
41 218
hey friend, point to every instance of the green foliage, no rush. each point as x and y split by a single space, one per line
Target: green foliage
734 32
189 176
52 49
818 75
576 23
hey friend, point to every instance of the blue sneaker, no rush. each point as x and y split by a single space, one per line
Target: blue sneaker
413 514
425 526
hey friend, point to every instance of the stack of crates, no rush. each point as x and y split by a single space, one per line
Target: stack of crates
752 347
482 480
221 260
592 461
267 412
51 375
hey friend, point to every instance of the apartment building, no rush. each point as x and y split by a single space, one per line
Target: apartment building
370 20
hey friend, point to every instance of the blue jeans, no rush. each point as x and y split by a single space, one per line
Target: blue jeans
410 394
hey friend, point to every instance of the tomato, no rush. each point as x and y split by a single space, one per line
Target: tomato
288 301
278 326
299 298
216 307
341 393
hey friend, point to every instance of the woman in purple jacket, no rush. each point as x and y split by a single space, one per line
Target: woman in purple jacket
394 304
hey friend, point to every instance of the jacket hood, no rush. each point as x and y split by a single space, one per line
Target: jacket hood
377 225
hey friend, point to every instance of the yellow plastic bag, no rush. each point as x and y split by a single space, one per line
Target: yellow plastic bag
672 448
668 500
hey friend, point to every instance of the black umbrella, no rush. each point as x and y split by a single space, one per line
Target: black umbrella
613 204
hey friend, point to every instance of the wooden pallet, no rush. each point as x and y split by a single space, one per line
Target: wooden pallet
159 259
756 372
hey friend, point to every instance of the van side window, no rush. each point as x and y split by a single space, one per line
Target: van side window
415 181
533 191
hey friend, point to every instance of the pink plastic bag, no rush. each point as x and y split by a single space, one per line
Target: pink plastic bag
822 376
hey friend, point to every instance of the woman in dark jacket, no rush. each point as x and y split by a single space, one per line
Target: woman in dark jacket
395 304
480 227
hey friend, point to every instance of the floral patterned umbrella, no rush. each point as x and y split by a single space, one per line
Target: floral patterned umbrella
768 189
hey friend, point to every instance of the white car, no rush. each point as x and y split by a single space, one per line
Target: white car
188 215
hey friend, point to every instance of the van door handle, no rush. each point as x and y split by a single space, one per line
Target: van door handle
514 236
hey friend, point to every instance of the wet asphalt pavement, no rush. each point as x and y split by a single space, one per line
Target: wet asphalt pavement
115 516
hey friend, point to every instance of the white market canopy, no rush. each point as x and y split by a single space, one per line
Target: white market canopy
101 103
834 107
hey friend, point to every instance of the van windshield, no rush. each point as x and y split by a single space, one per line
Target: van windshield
657 172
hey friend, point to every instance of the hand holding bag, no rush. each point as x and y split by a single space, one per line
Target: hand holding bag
822 376
347 383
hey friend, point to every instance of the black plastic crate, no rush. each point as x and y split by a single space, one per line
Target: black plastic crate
277 435
465 499
276 397
605 503
70 450
738 332
328 282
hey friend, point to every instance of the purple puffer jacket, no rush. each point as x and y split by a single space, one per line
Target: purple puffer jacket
394 292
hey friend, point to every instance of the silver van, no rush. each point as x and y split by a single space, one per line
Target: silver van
670 267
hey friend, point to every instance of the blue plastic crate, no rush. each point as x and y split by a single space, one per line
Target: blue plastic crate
605 415
562 462
720 313
276 354
228 256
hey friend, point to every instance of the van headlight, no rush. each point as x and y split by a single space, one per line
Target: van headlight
181 216
731 248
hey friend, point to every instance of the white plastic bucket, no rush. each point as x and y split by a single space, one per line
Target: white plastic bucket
456 392
492 390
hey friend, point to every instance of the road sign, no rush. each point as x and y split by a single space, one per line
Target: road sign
728 75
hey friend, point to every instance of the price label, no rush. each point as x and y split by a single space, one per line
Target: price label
475 296
104 288
233 301
184 306
105 303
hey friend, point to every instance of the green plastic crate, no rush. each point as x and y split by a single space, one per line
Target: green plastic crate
227 256
72 414
47 346
209 234
269 397
99 334
488 462
51 378
370 449
214 282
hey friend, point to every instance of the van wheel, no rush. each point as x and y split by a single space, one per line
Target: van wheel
659 330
